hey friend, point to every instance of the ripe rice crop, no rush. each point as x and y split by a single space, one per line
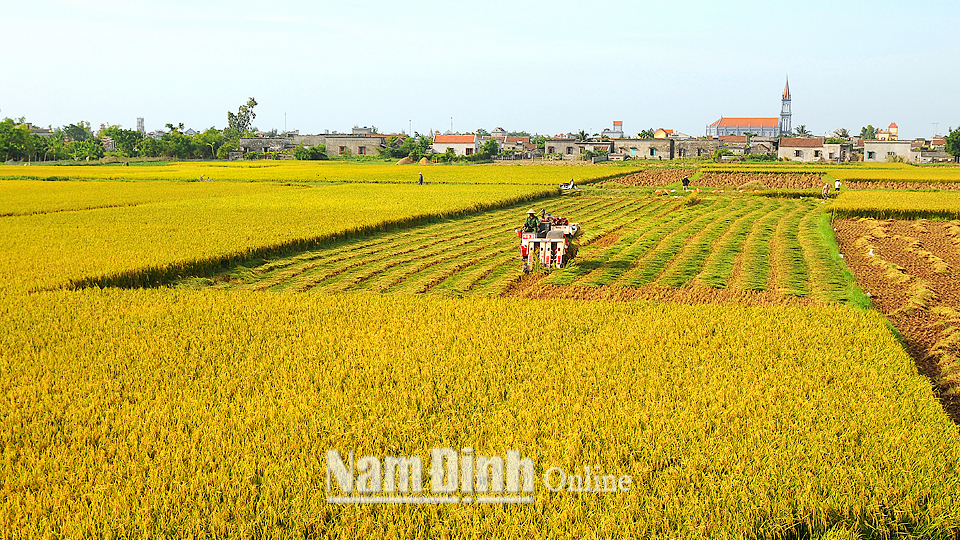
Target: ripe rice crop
154 242
24 197
154 413
897 205
317 171
900 174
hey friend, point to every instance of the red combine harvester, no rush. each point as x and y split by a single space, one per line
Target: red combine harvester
551 244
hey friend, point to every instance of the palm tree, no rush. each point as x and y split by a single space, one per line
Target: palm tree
841 133
582 136
801 131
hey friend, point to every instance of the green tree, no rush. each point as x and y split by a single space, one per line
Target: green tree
301 152
126 140
482 132
490 148
868 133
953 143
85 150
647 133
178 145
399 146
238 124
209 142
448 156
801 131
223 151
76 132
841 133
150 147
719 153
540 141
582 136
16 140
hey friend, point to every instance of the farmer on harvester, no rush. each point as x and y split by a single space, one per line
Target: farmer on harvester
532 223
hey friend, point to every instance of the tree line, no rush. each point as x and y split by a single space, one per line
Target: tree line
78 142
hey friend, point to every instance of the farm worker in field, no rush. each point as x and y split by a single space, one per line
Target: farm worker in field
836 186
825 191
686 183
532 223
420 181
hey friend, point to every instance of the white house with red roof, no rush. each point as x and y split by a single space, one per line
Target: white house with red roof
463 145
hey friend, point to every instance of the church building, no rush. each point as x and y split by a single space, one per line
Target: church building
761 127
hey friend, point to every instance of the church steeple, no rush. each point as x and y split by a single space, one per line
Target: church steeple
785 114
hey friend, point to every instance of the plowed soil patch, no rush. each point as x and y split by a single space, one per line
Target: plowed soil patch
768 180
917 294
655 177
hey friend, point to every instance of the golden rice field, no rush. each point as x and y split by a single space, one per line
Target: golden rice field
190 226
903 174
897 205
24 197
313 171
171 412
159 413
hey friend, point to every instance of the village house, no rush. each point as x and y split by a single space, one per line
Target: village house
338 145
462 145
644 148
761 146
264 144
690 148
814 149
801 149
566 147
509 144
876 151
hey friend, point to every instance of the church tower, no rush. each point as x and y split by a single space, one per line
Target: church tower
785 114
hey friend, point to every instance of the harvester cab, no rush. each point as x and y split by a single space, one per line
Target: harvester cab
551 245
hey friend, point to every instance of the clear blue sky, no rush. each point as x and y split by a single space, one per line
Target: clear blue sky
546 67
